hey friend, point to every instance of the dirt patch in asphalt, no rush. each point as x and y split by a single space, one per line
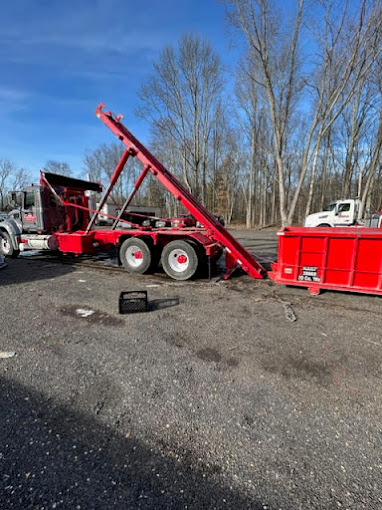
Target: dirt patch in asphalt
91 316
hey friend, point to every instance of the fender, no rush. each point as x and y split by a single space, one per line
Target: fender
13 230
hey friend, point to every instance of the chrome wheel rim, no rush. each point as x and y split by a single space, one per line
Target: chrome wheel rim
178 260
134 256
5 245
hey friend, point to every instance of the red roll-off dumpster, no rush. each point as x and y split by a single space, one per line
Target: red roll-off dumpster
347 259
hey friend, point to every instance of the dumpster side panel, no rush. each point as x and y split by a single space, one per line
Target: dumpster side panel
323 258
290 249
340 253
369 255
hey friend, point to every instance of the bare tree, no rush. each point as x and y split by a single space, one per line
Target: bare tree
58 167
181 100
356 119
262 31
347 42
6 169
374 164
252 117
350 49
20 178
100 165
247 95
11 177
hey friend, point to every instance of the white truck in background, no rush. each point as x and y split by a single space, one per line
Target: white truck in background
340 213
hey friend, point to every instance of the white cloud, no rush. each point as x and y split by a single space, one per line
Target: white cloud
12 101
126 42
13 95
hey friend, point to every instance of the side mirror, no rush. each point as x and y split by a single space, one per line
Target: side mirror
11 199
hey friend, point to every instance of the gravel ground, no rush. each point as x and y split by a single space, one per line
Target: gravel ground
211 400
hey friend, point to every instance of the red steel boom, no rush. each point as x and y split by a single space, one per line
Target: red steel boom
236 254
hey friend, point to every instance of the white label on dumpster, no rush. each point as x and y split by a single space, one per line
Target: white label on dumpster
309 274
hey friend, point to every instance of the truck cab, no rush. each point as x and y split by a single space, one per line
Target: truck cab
36 210
58 204
340 213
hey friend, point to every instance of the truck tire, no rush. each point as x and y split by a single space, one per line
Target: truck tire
135 255
180 260
324 225
6 246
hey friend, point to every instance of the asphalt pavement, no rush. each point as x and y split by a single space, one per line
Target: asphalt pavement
238 394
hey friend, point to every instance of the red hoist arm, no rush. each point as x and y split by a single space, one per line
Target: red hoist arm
236 255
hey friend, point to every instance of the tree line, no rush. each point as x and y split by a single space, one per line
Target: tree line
296 124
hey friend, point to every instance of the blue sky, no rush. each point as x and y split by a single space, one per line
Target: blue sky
59 59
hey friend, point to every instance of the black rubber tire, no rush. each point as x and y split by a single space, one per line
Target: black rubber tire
170 253
126 255
324 225
10 251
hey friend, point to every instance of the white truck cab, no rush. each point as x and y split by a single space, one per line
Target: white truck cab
338 214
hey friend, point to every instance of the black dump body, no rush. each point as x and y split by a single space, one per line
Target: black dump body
69 182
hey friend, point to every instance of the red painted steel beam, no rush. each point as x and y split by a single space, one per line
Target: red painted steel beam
237 254
129 199
113 180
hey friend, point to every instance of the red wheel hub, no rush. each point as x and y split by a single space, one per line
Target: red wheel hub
138 254
182 259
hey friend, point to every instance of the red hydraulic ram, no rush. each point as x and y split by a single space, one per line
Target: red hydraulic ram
330 258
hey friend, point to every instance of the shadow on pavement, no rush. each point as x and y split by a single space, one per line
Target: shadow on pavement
21 270
54 457
160 304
